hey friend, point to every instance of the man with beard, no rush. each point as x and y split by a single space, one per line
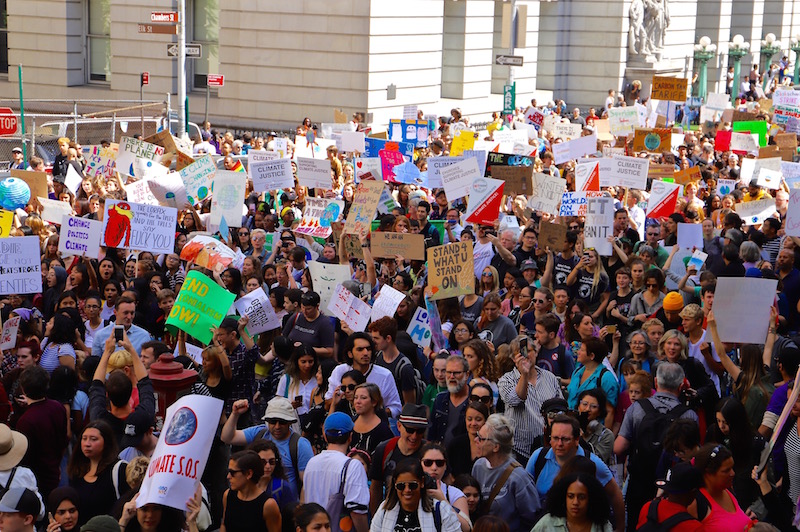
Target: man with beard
449 409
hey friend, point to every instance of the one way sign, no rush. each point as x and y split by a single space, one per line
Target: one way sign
510 60
193 51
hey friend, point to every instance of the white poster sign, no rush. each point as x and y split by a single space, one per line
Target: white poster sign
546 193
228 198
169 190
372 165
386 302
271 175
53 211
793 214
575 149
690 236
258 309
326 277
314 173
20 265
8 340
349 309
458 178
353 141
623 120
744 142
741 308
141 227
599 225
80 236
435 165
131 148
755 212
419 329
197 178
73 179
629 172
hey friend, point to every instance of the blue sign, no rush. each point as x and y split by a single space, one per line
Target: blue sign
413 131
372 146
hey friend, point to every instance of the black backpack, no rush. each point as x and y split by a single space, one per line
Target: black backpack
649 440
653 525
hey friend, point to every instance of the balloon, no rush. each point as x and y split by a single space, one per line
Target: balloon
14 194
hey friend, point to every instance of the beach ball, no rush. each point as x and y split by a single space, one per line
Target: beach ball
14 193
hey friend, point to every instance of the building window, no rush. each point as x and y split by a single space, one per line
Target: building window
203 28
98 40
3 37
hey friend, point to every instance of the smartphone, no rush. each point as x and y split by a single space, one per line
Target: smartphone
118 331
523 349
298 399
611 329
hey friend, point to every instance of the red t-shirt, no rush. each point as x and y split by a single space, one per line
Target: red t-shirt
667 509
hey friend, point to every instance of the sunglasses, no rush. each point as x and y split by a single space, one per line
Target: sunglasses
487 274
244 234
401 486
415 431
430 461
349 387
278 422
232 472
481 398
574 227
272 461
540 301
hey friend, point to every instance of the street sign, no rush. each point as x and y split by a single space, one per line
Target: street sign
215 80
8 121
145 78
510 60
509 99
165 29
193 51
164 16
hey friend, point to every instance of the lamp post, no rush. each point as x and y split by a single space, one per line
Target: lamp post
796 49
737 49
769 47
704 52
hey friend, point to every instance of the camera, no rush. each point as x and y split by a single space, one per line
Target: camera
429 482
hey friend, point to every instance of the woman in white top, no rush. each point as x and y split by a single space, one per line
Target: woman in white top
434 464
299 380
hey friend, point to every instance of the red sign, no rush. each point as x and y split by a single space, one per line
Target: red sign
8 121
145 78
164 16
215 80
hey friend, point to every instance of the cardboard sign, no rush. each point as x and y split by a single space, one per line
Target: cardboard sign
182 451
755 212
200 305
457 178
352 246
518 179
362 210
271 175
326 277
80 236
574 203
660 171
587 176
741 309
228 198
197 178
546 193
314 173
37 181
688 175
53 211
552 235
8 340
318 215
786 140
131 148
20 265
141 227
567 130
450 270
349 309
574 149
793 214
743 116
485 196
652 140
629 172
386 303
258 309
6 221
623 120
387 244
669 89
419 329
663 197
599 225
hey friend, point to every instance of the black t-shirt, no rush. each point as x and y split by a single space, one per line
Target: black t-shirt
583 288
405 379
562 268
407 522
555 361
624 307
317 333
380 474
471 313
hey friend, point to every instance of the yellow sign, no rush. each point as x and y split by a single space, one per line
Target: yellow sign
669 89
6 220
464 141
652 140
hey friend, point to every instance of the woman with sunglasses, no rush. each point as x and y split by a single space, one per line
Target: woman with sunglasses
344 395
369 427
648 302
592 282
490 283
465 449
273 481
722 510
245 506
434 464
409 507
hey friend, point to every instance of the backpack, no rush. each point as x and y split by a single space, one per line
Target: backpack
653 525
419 384
339 515
649 439
293 441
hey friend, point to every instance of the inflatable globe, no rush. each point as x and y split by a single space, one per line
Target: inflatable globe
14 193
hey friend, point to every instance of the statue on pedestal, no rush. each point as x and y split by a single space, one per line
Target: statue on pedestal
649 20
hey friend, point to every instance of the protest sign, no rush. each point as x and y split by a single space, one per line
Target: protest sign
660 171
326 277
229 191
148 169
435 166
349 309
8 340
73 179
314 173
259 311
567 130
37 181
744 142
755 212
386 303
599 225
390 159
457 178
181 453
752 127
793 214
769 151
20 265
793 125
311 147
629 172
141 227
362 210
352 246
574 203
419 329
552 235
663 197
501 159
80 236
200 305
53 211
100 162
697 260
688 175
464 141
372 147
690 236
169 190
386 203
271 175
6 221
318 215
210 253
669 89
479 155
717 101
450 270
652 140
261 156
197 178
372 165
409 130
623 120
485 196
140 192
534 116
131 148
408 245
786 140
741 308
353 141
574 149
725 186
518 179
546 193
587 176
751 168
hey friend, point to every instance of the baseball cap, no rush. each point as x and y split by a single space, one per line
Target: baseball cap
136 426
529 264
101 523
310 299
414 416
338 424
20 500
682 478
280 408
16 149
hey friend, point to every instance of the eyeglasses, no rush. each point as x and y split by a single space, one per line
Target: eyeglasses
480 438
349 387
560 439
91 306
430 461
257 238
232 472
453 373
587 404
652 285
574 227
401 486
481 398
487 274
411 430
461 330
272 421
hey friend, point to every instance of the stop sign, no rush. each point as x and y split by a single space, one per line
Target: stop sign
8 121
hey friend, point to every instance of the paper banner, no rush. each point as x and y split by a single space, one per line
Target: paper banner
314 173
419 329
80 236
131 148
169 190
587 176
258 309
485 196
546 193
349 309
755 212
386 244
8 340
141 227
210 253
326 277
197 178
599 225
450 270
200 305
457 178
741 309
318 215
20 265
271 175
663 197
669 89
552 235
362 210
574 149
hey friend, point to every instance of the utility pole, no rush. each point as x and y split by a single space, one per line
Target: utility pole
181 67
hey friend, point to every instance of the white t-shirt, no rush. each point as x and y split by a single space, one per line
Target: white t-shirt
483 254
694 351
285 389
323 475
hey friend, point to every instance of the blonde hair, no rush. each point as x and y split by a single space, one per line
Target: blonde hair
119 359
669 335
134 473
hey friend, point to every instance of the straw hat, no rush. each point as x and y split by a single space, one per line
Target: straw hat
13 446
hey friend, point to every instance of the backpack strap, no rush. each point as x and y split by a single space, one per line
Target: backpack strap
539 464
294 439
115 476
10 478
652 512
344 476
437 516
260 434
675 519
388 450
500 483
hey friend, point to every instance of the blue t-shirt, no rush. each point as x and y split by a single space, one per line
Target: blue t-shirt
551 469
601 377
304 454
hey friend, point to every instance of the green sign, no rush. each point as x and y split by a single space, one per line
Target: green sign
509 99
201 304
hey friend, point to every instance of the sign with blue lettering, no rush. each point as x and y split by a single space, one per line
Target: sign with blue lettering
420 328
373 146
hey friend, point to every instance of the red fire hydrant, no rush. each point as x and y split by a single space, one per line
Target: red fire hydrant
170 380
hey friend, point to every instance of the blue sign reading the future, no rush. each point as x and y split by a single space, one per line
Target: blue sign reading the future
413 131
372 146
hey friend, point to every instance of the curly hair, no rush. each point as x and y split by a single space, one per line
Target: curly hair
487 367
599 509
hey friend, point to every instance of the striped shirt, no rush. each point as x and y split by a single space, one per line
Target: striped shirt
527 414
772 248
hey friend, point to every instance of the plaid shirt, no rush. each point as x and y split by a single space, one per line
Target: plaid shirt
243 383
